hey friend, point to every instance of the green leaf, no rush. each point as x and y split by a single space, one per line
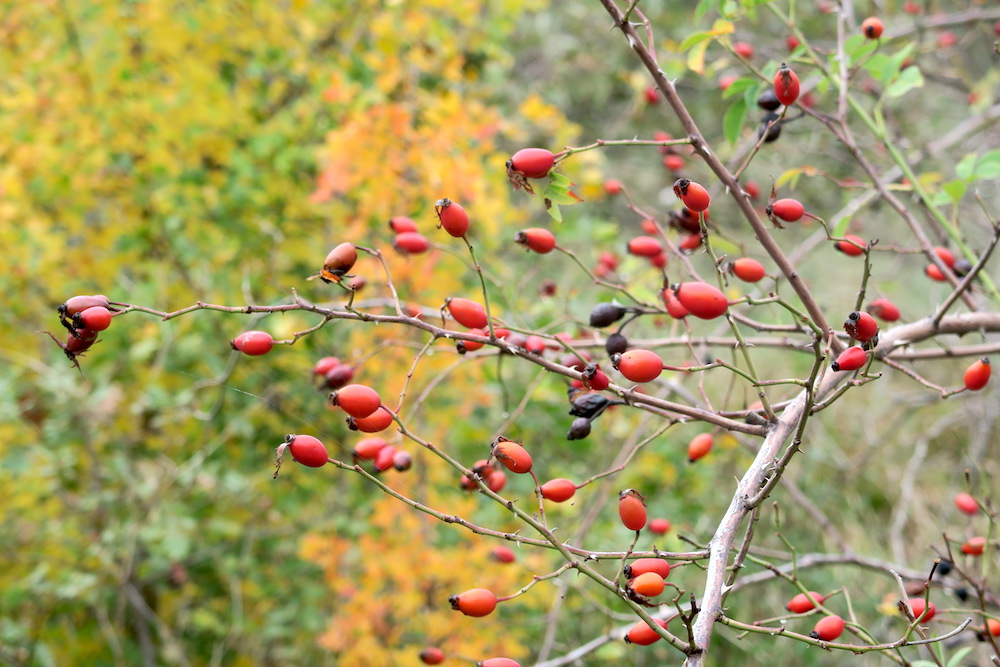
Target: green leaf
553 210
857 47
878 66
960 654
738 86
694 39
988 166
909 79
955 190
732 123
966 166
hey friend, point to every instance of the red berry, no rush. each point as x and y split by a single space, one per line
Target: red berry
801 603
453 217
701 299
645 246
748 270
253 343
648 585
978 374
385 458
860 326
791 42
368 448
512 455
789 210
639 365
608 259
673 306
93 319
659 526
496 480
401 223
919 606
498 662
599 381
402 460
411 243
532 162
828 628
912 7
851 245
470 345
632 509
538 239
338 376
325 365
432 656
307 450
884 310
934 273
503 554
699 446
872 27
752 189
80 303
376 422
993 627
640 566
851 359
673 162
946 256
558 490
81 342
690 242
644 635
743 49
687 220
974 547
966 503
786 85
339 261
357 400
466 312
613 186
694 195
947 39
474 602
535 345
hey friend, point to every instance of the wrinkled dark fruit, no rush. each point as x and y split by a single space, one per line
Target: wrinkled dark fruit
962 267
616 344
605 314
773 133
590 405
768 101
579 429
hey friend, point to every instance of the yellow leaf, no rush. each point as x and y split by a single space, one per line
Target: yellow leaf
722 27
696 58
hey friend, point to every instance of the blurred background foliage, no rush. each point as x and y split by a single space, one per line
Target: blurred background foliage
164 153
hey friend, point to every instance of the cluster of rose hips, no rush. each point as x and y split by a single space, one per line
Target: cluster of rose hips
84 317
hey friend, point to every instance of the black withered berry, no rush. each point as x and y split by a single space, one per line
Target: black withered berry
579 429
605 314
